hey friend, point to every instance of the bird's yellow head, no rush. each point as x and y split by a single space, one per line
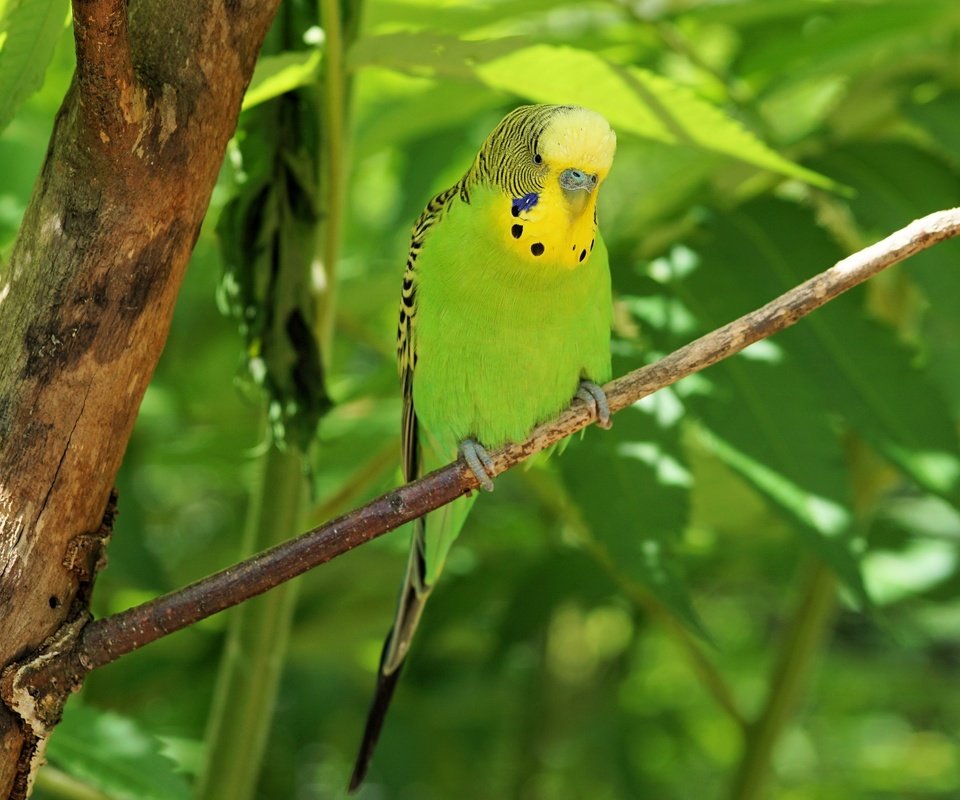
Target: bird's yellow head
548 162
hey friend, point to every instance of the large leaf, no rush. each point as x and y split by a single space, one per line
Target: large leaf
422 110
268 239
455 17
760 413
429 53
758 422
845 38
281 73
29 30
114 754
635 101
939 118
894 184
632 486
863 373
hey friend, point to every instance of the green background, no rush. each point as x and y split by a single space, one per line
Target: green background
782 529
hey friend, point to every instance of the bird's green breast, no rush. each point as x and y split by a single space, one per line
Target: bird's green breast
502 342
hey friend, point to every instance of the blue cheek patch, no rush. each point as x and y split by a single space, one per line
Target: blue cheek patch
524 203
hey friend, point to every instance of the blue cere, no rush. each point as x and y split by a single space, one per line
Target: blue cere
524 203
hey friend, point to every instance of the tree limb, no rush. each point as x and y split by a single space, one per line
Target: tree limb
107 639
86 300
109 97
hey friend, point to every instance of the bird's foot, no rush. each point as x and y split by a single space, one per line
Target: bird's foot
593 396
479 461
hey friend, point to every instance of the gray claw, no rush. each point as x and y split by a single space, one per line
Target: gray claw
479 461
593 396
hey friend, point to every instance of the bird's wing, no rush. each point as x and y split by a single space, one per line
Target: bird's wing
415 590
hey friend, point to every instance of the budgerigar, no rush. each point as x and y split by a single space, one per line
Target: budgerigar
504 318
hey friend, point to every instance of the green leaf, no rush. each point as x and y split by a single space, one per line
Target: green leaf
939 118
849 40
864 375
757 421
278 74
394 121
635 101
561 576
268 234
115 754
756 414
915 549
632 486
29 30
429 53
919 567
773 411
896 183
455 17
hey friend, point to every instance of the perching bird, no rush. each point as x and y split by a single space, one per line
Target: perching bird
504 318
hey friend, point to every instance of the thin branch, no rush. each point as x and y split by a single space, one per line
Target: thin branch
107 639
105 74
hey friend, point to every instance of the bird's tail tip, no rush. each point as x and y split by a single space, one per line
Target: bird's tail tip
386 683
413 595
359 773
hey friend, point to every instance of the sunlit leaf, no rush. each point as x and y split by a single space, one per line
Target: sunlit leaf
894 184
29 30
920 566
281 73
115 754
849 38
429 53
455 17
431 108
757 420
862 373
635 101
632 486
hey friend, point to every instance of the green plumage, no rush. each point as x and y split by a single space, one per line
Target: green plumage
505 309
500 347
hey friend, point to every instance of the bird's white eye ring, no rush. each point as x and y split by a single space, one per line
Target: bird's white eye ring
537 158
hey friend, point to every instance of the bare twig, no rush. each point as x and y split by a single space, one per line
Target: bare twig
109 638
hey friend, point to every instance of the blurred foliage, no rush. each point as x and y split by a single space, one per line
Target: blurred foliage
759 143
29 30
268 232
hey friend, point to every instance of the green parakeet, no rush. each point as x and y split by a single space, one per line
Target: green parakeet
505 317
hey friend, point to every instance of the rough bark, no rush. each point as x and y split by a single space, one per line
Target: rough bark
87 297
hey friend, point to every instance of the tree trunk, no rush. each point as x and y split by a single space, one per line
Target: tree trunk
87 298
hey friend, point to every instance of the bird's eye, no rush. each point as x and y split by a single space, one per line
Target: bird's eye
537 158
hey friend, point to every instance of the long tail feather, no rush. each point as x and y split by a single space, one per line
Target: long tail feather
413 597
386 683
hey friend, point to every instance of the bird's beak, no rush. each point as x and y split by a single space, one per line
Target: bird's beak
577 186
